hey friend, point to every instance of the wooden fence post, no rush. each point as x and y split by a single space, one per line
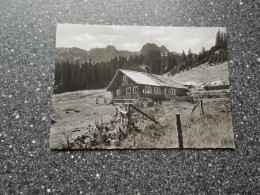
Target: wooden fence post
129 112
128 115
116 111
201 103
179 130
68 143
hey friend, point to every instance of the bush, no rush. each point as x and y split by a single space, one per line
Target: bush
138 104
150 103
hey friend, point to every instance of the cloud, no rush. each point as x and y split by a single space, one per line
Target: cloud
111 36
118 28
159 31
97 45
131 46
191 42
83 37
147 32
162 40
210 42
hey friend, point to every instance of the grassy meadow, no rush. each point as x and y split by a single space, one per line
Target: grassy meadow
213 129
83 124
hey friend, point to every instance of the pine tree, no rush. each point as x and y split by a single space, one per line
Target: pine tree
190 54
183 56
218 40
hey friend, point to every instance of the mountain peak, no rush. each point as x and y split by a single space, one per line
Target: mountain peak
110 47
148 47
164 49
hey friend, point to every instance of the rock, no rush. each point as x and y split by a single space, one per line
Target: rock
76 130
68 110
53 121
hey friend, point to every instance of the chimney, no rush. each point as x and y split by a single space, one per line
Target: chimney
146 69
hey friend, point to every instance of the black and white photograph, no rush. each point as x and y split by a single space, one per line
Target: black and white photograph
141 87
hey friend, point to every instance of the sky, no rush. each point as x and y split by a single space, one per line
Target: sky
132 38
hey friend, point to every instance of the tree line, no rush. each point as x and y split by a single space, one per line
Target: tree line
73 76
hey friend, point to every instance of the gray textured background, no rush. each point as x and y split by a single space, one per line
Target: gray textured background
27 49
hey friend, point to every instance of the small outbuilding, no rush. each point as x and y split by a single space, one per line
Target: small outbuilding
128 84
217 85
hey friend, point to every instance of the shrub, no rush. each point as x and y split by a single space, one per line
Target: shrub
138 104
150 103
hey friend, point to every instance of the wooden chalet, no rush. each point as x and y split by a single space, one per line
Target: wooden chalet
128 84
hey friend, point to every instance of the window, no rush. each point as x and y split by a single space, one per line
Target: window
172 92
124 79
128 90
118 92
135 90
157 90
148 89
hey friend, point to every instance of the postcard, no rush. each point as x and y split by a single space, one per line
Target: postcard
141 87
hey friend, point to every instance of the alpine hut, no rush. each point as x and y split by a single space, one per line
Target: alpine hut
128 84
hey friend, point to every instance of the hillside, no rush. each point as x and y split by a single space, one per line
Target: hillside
106 54
70 54
204 74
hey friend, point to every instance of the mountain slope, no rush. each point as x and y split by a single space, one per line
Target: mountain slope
95 54
105 54
204 74
70 54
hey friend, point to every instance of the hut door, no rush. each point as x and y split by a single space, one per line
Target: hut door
165 92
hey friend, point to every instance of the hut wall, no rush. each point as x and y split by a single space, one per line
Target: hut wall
123 92
181 92
152 95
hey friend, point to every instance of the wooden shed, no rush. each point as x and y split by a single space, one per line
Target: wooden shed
128 84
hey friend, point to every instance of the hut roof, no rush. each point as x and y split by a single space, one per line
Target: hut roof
140 77
166 81
144 78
